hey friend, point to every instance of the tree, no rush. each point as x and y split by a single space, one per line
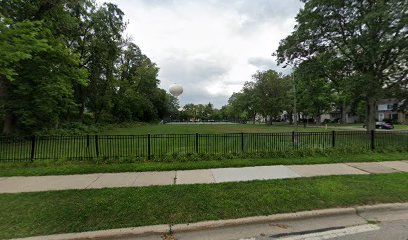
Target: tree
271 91
105 50
35 76
315 94
367 37
60 58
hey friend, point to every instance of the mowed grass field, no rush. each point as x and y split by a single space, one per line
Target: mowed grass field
191 128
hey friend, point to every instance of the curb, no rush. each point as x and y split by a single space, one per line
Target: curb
163 229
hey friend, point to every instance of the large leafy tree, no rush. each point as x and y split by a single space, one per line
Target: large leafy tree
243 105
62 58
35 76
315 92
105 49
367 37
272 93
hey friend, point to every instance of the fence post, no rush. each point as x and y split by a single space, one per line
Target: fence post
196 142
32 148
148 146
372 136
333 138
242 142
293 138
97 145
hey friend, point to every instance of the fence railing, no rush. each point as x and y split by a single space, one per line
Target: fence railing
160 145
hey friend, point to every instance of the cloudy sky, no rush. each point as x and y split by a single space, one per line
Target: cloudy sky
211 47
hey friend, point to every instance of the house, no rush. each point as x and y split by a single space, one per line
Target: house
335 116
387 109
391 109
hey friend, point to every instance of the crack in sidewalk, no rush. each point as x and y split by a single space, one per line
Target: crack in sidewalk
87 187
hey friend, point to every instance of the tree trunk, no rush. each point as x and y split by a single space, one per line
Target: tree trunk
9 118
370 114
290 117
9 124
343 112
317 119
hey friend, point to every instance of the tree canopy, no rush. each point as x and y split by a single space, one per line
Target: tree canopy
358 44
67 61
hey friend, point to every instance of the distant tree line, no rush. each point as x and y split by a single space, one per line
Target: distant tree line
64 61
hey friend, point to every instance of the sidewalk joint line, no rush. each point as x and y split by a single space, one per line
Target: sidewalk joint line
136 177
357 168
99 175
175 178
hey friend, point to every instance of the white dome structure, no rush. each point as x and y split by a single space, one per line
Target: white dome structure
176 89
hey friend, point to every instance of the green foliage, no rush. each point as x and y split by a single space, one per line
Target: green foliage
268 95
200 112
67 61
314 91
19 42
359 45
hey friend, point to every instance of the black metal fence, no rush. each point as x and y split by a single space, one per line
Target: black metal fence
160 145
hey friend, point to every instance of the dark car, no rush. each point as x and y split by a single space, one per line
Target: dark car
382 125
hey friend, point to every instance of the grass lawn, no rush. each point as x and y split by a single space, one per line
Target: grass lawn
142 128
28 214
401 127
52 167
137 129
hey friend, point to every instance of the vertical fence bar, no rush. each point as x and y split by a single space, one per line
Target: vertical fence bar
293 138
196 142
333 138
87 146
242 142
148 146
372 136
97 145
32 148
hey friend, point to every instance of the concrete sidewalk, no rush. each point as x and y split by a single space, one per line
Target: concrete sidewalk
138 179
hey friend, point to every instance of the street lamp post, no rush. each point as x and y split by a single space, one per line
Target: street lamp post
295 123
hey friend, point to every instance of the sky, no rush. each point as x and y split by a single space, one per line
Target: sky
210 47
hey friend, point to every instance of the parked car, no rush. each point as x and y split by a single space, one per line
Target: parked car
382 125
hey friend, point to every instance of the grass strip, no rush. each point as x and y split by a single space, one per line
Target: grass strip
61 167
29 214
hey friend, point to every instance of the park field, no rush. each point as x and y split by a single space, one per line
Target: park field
189 128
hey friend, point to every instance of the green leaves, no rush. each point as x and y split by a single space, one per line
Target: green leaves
360 40
59 59
268 95
19 42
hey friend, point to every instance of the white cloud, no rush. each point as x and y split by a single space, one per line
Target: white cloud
210 47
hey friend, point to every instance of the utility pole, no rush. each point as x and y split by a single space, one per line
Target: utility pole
294 102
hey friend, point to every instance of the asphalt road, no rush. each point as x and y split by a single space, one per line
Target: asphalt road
392 230
388 224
